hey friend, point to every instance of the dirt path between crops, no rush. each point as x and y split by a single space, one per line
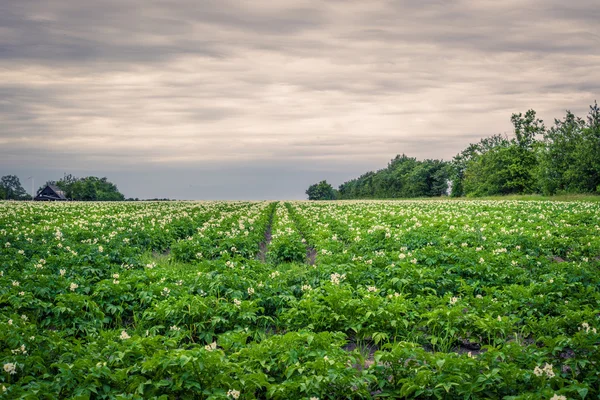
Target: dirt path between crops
311 255
264 245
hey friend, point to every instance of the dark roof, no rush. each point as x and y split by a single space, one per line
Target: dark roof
58 191
51 192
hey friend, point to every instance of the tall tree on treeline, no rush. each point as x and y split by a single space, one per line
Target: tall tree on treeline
522 169
11 188
321 191
590 158
569 160
558 156
497 165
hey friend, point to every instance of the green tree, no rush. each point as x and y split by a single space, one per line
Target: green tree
568 155
321 191
12 188
526 128
404 177
557 156
497 165
90 188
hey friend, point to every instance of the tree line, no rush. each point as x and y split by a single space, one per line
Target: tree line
564 158
89 188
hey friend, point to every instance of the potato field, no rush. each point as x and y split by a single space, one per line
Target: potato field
300 300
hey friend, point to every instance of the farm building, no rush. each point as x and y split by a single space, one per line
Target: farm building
51 193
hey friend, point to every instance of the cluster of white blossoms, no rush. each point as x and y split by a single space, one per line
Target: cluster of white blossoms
115 279
586 328
558 397
73 286
10 368
546 370
62 272
124 336
151 265
237 302
453 300
175 328
250 291
211 347
499 251
306 288
371 288
127 266
234 394
337 278
165 292
274 274
19 350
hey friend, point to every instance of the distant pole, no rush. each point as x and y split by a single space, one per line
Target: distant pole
32 185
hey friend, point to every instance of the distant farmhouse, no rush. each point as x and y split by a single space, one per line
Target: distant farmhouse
51 193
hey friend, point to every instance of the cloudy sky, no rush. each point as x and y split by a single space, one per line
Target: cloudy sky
225 99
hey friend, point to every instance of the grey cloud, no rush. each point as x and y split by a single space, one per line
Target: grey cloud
306 87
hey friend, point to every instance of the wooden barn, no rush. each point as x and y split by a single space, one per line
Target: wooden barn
51 193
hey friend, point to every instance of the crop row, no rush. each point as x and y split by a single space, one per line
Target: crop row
406 299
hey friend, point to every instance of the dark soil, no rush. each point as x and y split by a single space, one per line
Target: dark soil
161 254
311 255
262 247
369 348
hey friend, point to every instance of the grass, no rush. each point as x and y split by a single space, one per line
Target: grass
519 197
537 197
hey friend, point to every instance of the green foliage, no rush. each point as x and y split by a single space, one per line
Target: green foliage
286 245
568 159
11 188
89 188
401 299
404 177
321 191
562 159
498 166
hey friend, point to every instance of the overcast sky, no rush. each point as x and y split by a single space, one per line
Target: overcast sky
257 99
